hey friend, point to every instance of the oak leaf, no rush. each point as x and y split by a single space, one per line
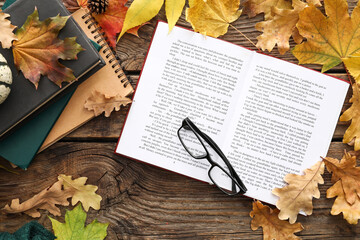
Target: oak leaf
273 228
74 227
81 192
111 21
351 212
173 9
6 31
297 195
37 50
139 12
47 199
212 17
347 172
280 27
100 103
331 38
352 133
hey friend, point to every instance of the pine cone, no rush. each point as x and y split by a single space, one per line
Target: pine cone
98 6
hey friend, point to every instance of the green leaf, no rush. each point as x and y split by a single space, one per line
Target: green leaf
74 227
139 12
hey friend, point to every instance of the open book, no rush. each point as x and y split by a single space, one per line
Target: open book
270 117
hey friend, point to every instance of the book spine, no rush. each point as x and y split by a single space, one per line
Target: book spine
99 36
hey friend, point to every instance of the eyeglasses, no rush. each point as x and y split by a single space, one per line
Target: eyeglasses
201 146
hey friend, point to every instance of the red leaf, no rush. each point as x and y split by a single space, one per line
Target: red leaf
112 20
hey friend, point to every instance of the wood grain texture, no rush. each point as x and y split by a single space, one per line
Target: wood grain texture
142 201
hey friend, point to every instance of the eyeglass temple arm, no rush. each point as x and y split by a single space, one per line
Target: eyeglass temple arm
228 164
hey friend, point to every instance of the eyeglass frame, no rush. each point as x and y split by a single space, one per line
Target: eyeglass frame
231 173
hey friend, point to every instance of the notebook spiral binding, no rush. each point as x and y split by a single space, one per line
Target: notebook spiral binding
90 22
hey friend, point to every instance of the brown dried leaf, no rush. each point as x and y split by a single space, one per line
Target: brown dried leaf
47 199
298 194
6 31
351 212
255 7
81 192
100 103
347 172
273 228
280 27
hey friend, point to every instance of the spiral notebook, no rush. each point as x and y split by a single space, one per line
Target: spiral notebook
110 80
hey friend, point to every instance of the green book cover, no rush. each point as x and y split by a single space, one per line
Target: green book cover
22 145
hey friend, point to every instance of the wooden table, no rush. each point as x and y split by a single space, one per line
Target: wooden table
141 201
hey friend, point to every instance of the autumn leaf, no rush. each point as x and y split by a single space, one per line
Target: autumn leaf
352 134
139 12
6 31
351 212
280 27
255 7
100 103
81 192
74 227
331 38
47 199
173 9
111 21
297 195
212 17
347 172
273 228
37 50
352 63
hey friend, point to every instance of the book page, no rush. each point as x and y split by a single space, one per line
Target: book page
283 124
185 75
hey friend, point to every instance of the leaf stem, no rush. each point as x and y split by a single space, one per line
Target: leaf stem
245 36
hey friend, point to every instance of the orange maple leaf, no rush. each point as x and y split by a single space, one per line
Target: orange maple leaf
37 50
273 228
112 20
347 172
73 5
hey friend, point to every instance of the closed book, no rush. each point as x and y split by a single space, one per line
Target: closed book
24 100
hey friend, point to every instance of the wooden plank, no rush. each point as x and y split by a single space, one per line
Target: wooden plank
142 201
108 129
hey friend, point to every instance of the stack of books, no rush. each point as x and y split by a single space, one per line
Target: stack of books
32 119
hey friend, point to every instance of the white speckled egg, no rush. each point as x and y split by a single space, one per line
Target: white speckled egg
5 79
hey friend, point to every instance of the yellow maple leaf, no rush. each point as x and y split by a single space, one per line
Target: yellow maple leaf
353 114
352 63
351 212
173 9
330 38
212 17
81 192
255 7
280 27
6 31
139 12
273 228
347 172
297 195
